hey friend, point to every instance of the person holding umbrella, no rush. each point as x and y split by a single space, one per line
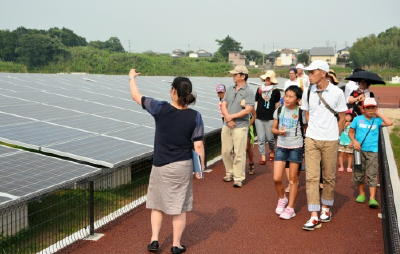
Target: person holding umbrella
357 97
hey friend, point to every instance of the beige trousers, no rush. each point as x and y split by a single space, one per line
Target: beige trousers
234 139
319 154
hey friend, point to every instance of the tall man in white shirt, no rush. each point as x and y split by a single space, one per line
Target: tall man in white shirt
325 102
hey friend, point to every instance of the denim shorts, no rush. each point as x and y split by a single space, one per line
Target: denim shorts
292 155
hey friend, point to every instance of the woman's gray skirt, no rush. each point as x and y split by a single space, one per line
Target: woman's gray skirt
170 188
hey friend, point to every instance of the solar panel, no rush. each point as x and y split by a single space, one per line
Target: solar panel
24 174
100 150
90 117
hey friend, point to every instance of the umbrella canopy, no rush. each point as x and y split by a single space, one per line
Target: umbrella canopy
369 77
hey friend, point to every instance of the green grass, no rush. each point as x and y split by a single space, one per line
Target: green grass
64 212
395 140
389 85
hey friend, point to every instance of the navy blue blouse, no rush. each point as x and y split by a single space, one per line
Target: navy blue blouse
176 130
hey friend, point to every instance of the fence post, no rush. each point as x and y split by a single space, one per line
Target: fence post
91 207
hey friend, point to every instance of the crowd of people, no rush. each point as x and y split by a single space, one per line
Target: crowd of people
313 125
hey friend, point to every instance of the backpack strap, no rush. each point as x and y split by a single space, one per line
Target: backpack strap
279 113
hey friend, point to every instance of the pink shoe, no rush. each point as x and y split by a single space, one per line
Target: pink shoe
280 207
287 214
340 169
349 170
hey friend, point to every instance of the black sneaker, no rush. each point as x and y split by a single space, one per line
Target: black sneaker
153 246
177 250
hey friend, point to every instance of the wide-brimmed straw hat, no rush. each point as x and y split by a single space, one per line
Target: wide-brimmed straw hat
271 75
239 69
332 74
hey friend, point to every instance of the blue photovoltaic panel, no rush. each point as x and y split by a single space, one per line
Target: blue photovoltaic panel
25 174
91 117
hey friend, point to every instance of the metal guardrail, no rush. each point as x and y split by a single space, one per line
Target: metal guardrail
390 222
52 221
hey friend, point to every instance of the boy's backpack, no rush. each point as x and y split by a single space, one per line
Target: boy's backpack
300 121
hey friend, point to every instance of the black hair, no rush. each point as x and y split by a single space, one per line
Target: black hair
296 90
183 87
294 70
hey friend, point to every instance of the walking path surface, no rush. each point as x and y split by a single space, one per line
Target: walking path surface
231 220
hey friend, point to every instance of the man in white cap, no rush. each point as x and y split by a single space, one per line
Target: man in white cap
324 104
236 107
304 81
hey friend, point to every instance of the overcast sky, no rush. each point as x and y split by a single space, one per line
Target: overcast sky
165 25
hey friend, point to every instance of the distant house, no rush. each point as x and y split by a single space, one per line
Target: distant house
344 53
193 55
203 53
286 57
178 53
323 53
236 58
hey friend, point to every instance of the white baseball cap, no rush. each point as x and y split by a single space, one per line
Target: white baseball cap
369 102
318 65
300 66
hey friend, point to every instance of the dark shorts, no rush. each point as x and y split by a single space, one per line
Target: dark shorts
290 155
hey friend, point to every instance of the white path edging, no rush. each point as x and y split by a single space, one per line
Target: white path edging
394 176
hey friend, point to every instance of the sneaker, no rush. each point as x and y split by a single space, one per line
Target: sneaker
280 207
288 213
373 203
340 169
153 246
360 198
228 179
326 215
349 170
237 184
312 224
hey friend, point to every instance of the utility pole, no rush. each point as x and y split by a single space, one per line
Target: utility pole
129 46
263 54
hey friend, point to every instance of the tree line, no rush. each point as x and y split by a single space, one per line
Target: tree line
377 50
36 48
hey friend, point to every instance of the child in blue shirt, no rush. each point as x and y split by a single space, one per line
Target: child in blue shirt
364 133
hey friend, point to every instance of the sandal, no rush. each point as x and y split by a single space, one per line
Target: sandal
271 156
251 168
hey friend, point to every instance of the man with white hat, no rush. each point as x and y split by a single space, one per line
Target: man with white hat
304 81
237 104
323 103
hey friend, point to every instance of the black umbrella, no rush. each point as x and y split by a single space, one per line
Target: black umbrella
369 77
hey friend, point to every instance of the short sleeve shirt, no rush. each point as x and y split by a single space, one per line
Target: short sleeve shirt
265 108
234 99
323 124
289 120
176 130
361 125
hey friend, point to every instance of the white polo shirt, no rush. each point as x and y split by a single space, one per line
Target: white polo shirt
323 124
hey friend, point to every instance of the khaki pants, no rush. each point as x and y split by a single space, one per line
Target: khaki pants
369 169
320 153
234 139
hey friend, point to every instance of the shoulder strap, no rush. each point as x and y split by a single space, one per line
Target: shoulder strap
326 104
308 95
301 123
369 129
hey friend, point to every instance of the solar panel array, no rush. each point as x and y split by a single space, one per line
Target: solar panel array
25 174
90 117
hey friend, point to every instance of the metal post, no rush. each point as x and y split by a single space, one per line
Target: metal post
91 207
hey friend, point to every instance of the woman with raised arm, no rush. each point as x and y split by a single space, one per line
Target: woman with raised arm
179 129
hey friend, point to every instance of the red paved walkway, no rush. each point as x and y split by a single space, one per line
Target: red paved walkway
230 220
